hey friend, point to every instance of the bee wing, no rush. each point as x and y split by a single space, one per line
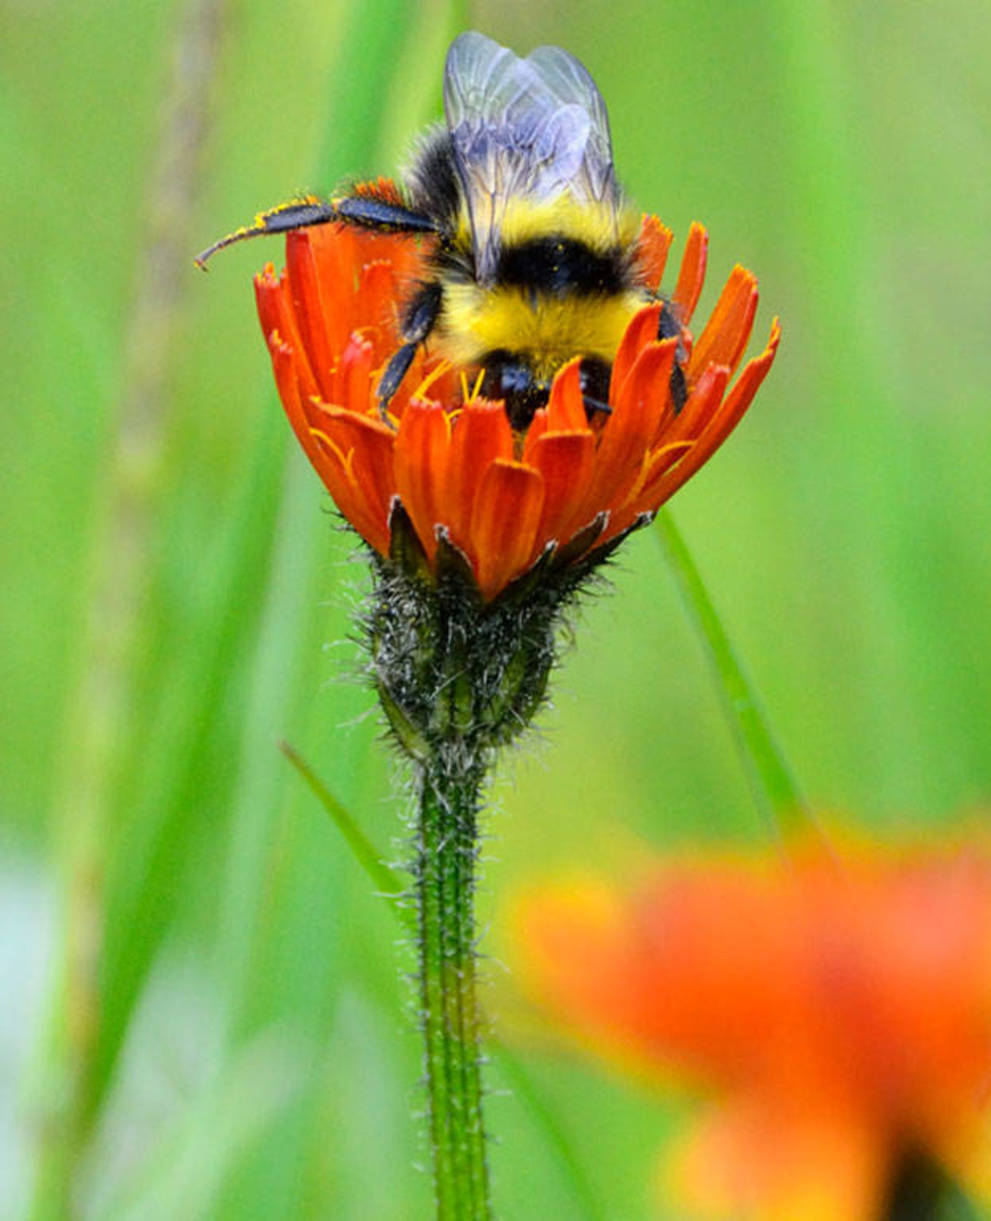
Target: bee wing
530 127
570 83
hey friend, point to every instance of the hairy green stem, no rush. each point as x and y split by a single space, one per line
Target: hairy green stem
447 849
389 885
458 679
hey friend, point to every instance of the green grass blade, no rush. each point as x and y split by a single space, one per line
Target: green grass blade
387 882
774 788
558 1142
187 746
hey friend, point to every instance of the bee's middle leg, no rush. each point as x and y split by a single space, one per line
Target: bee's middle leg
669 327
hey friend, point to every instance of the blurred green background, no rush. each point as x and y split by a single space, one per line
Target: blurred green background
176 598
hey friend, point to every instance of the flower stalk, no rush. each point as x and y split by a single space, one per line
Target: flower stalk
457 678
446 852
774 787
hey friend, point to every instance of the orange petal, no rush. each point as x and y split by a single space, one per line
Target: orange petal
350 500
723 421
268 298
632 427
749 1159
336 252
726 333
290 334
421 453
692 274
284 366
566 461
652 248
368 445
352 381
379 295
276 315
308 308
670 448
538 426
566 404
481 435
504 523
334 247
347 469
572 937
700 406
642 330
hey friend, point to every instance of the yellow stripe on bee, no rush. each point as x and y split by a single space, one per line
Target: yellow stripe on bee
597 225
550 330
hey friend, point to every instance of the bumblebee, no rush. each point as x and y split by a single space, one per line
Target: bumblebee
533 254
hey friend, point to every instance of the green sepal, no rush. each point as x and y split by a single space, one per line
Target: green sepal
405 549
518 589
599 554
583 540
412 741
453 566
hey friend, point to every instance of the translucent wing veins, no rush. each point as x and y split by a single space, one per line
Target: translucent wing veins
530 128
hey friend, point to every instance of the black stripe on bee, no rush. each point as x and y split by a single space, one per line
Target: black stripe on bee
561 266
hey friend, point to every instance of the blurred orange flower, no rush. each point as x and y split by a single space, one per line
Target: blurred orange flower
568 484
841 1011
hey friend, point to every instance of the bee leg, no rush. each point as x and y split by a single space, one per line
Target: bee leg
594 378
379 214
418 321
669 327
298 214
394 373
591 405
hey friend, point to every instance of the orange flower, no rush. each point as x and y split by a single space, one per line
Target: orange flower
569 485
843 1012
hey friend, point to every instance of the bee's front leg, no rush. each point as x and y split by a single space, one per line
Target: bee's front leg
418 321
